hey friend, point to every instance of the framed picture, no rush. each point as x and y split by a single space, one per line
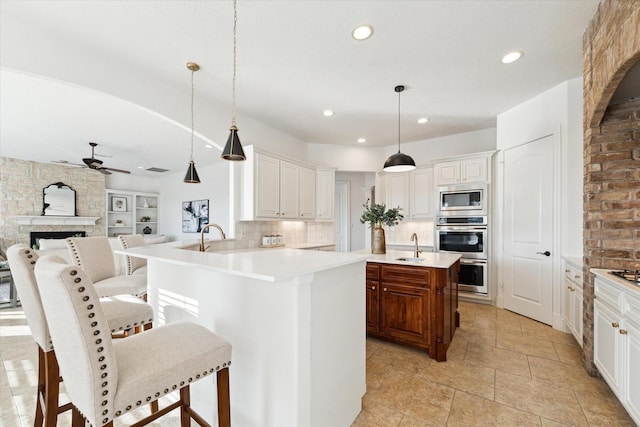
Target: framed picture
119 204
195 215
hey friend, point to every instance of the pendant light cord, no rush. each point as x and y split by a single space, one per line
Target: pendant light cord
233 82
399 92
192 95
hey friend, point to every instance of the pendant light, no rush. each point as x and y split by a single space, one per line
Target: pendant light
192 175
233 149
399 162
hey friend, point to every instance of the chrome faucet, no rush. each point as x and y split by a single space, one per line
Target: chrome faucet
224 236
416 251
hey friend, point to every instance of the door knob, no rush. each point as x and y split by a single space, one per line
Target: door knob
545 253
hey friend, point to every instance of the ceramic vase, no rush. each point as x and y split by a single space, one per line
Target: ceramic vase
378 244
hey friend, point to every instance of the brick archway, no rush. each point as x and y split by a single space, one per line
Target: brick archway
611 237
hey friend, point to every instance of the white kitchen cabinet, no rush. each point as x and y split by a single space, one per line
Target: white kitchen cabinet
461 171
307 193
267 186
572 298
131 212
617 338
289 190
272 187
607 352
631 397
421 193
412 191
325 194
398 192
277 188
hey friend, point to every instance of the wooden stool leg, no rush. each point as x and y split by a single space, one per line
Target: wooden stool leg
185 402
77 420
224 402
41 390
52 389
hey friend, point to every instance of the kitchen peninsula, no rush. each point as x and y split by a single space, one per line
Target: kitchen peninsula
293 317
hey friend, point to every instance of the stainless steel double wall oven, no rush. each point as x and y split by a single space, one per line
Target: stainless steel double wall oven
462 227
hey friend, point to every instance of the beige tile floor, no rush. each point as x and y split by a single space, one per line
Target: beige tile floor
502 369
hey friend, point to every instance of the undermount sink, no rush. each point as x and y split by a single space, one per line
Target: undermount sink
410 259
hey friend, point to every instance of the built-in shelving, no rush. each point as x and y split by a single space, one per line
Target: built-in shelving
126 210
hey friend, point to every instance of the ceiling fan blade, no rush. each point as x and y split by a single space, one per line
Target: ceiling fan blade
102 171
115 170
65 162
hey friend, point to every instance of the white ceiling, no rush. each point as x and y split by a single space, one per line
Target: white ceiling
114 72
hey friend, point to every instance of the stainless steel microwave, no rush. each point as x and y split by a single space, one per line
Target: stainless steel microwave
462 200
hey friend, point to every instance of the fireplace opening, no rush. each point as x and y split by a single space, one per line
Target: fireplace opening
35 236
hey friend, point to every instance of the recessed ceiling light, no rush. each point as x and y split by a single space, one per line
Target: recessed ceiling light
362 32
511 57
362 140
208 146
328 113
423 120
140 167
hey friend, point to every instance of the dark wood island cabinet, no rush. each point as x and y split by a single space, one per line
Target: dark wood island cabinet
413 305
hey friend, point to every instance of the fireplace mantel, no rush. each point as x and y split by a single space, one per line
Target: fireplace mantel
57 220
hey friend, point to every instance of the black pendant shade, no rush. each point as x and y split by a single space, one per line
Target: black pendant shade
192 175
399 162
233 149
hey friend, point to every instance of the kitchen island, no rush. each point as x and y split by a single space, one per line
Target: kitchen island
294 319
413 301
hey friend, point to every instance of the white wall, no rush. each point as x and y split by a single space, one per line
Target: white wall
214 186
558 111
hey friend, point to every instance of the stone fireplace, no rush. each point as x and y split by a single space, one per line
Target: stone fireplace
35 236
611 237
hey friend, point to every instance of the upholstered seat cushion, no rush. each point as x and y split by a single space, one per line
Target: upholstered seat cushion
141 271
125 312
119 285
164 359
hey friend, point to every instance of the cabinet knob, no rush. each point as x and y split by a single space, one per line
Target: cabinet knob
384 289
373 288
301 214
567 271
623 332
615 324
570 288
577 276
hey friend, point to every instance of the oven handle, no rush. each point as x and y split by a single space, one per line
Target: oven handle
447 228
473 262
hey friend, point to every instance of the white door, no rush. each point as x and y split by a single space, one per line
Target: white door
342 216
528 229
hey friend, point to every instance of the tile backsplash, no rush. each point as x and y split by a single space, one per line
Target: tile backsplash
249 233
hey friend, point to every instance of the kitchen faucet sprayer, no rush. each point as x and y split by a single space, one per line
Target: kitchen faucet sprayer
224 236
416 251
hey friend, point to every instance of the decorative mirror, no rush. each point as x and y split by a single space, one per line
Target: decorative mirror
58 200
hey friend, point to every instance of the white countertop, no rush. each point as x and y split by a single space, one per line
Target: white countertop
430 259
606 275
269 264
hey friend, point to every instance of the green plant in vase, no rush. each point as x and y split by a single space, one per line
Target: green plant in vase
378 215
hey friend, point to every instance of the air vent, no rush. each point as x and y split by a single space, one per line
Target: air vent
154 169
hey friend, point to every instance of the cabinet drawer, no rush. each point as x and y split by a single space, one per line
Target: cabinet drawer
417 276
610 295
573 274
373 271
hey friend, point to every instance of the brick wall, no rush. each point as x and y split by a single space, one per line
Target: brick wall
21 184
611 47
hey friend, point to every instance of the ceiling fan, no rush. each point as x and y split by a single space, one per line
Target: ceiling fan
93 163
